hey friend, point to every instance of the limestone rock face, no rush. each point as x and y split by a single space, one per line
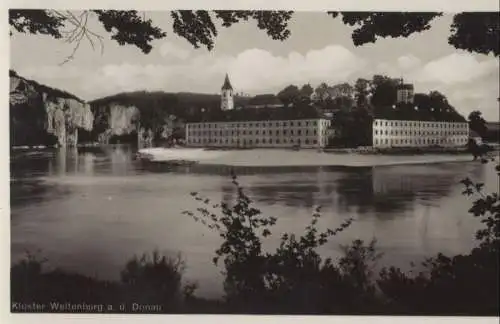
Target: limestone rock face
122 119
118 120
65 116
55 111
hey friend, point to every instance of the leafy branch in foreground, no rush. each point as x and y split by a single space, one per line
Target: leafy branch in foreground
294 271
463 284
471 31
295 279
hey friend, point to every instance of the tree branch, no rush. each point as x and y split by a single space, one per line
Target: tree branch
78 32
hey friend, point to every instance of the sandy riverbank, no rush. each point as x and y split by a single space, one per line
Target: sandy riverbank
276 157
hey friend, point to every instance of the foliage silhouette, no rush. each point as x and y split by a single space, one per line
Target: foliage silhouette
459 285
148 280
477 123
294 278
471 31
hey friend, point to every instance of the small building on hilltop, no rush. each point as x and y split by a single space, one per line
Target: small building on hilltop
405 92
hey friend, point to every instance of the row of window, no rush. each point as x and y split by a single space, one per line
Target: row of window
419 141
256 132
419 124
256 124
252 142
419 132
404 95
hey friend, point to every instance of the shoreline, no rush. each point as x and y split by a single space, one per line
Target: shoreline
289 158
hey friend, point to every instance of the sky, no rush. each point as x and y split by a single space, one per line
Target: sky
320 49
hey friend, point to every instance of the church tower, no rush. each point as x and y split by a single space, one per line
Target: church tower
226 102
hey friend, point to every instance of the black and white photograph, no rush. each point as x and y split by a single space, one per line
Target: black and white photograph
254 162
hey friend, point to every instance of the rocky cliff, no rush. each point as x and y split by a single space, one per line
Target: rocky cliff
141 119
114 121
40 115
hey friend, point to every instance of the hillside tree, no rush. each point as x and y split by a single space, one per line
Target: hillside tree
477 122
321 92
306 91
289 95
362 92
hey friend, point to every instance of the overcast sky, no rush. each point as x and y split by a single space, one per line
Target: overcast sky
320 49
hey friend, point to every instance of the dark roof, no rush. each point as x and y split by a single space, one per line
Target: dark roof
265 99
256 114
493 126
422 117
473 133
227 85
406 111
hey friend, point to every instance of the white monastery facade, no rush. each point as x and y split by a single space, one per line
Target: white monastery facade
253 127
282 133
417 133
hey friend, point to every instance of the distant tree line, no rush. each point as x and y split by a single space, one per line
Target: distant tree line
353 107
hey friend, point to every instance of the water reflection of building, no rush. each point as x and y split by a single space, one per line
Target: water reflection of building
383 191
435 180
425 182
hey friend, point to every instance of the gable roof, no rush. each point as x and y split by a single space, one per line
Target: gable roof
227 84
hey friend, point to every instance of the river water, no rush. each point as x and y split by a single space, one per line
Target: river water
90 210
